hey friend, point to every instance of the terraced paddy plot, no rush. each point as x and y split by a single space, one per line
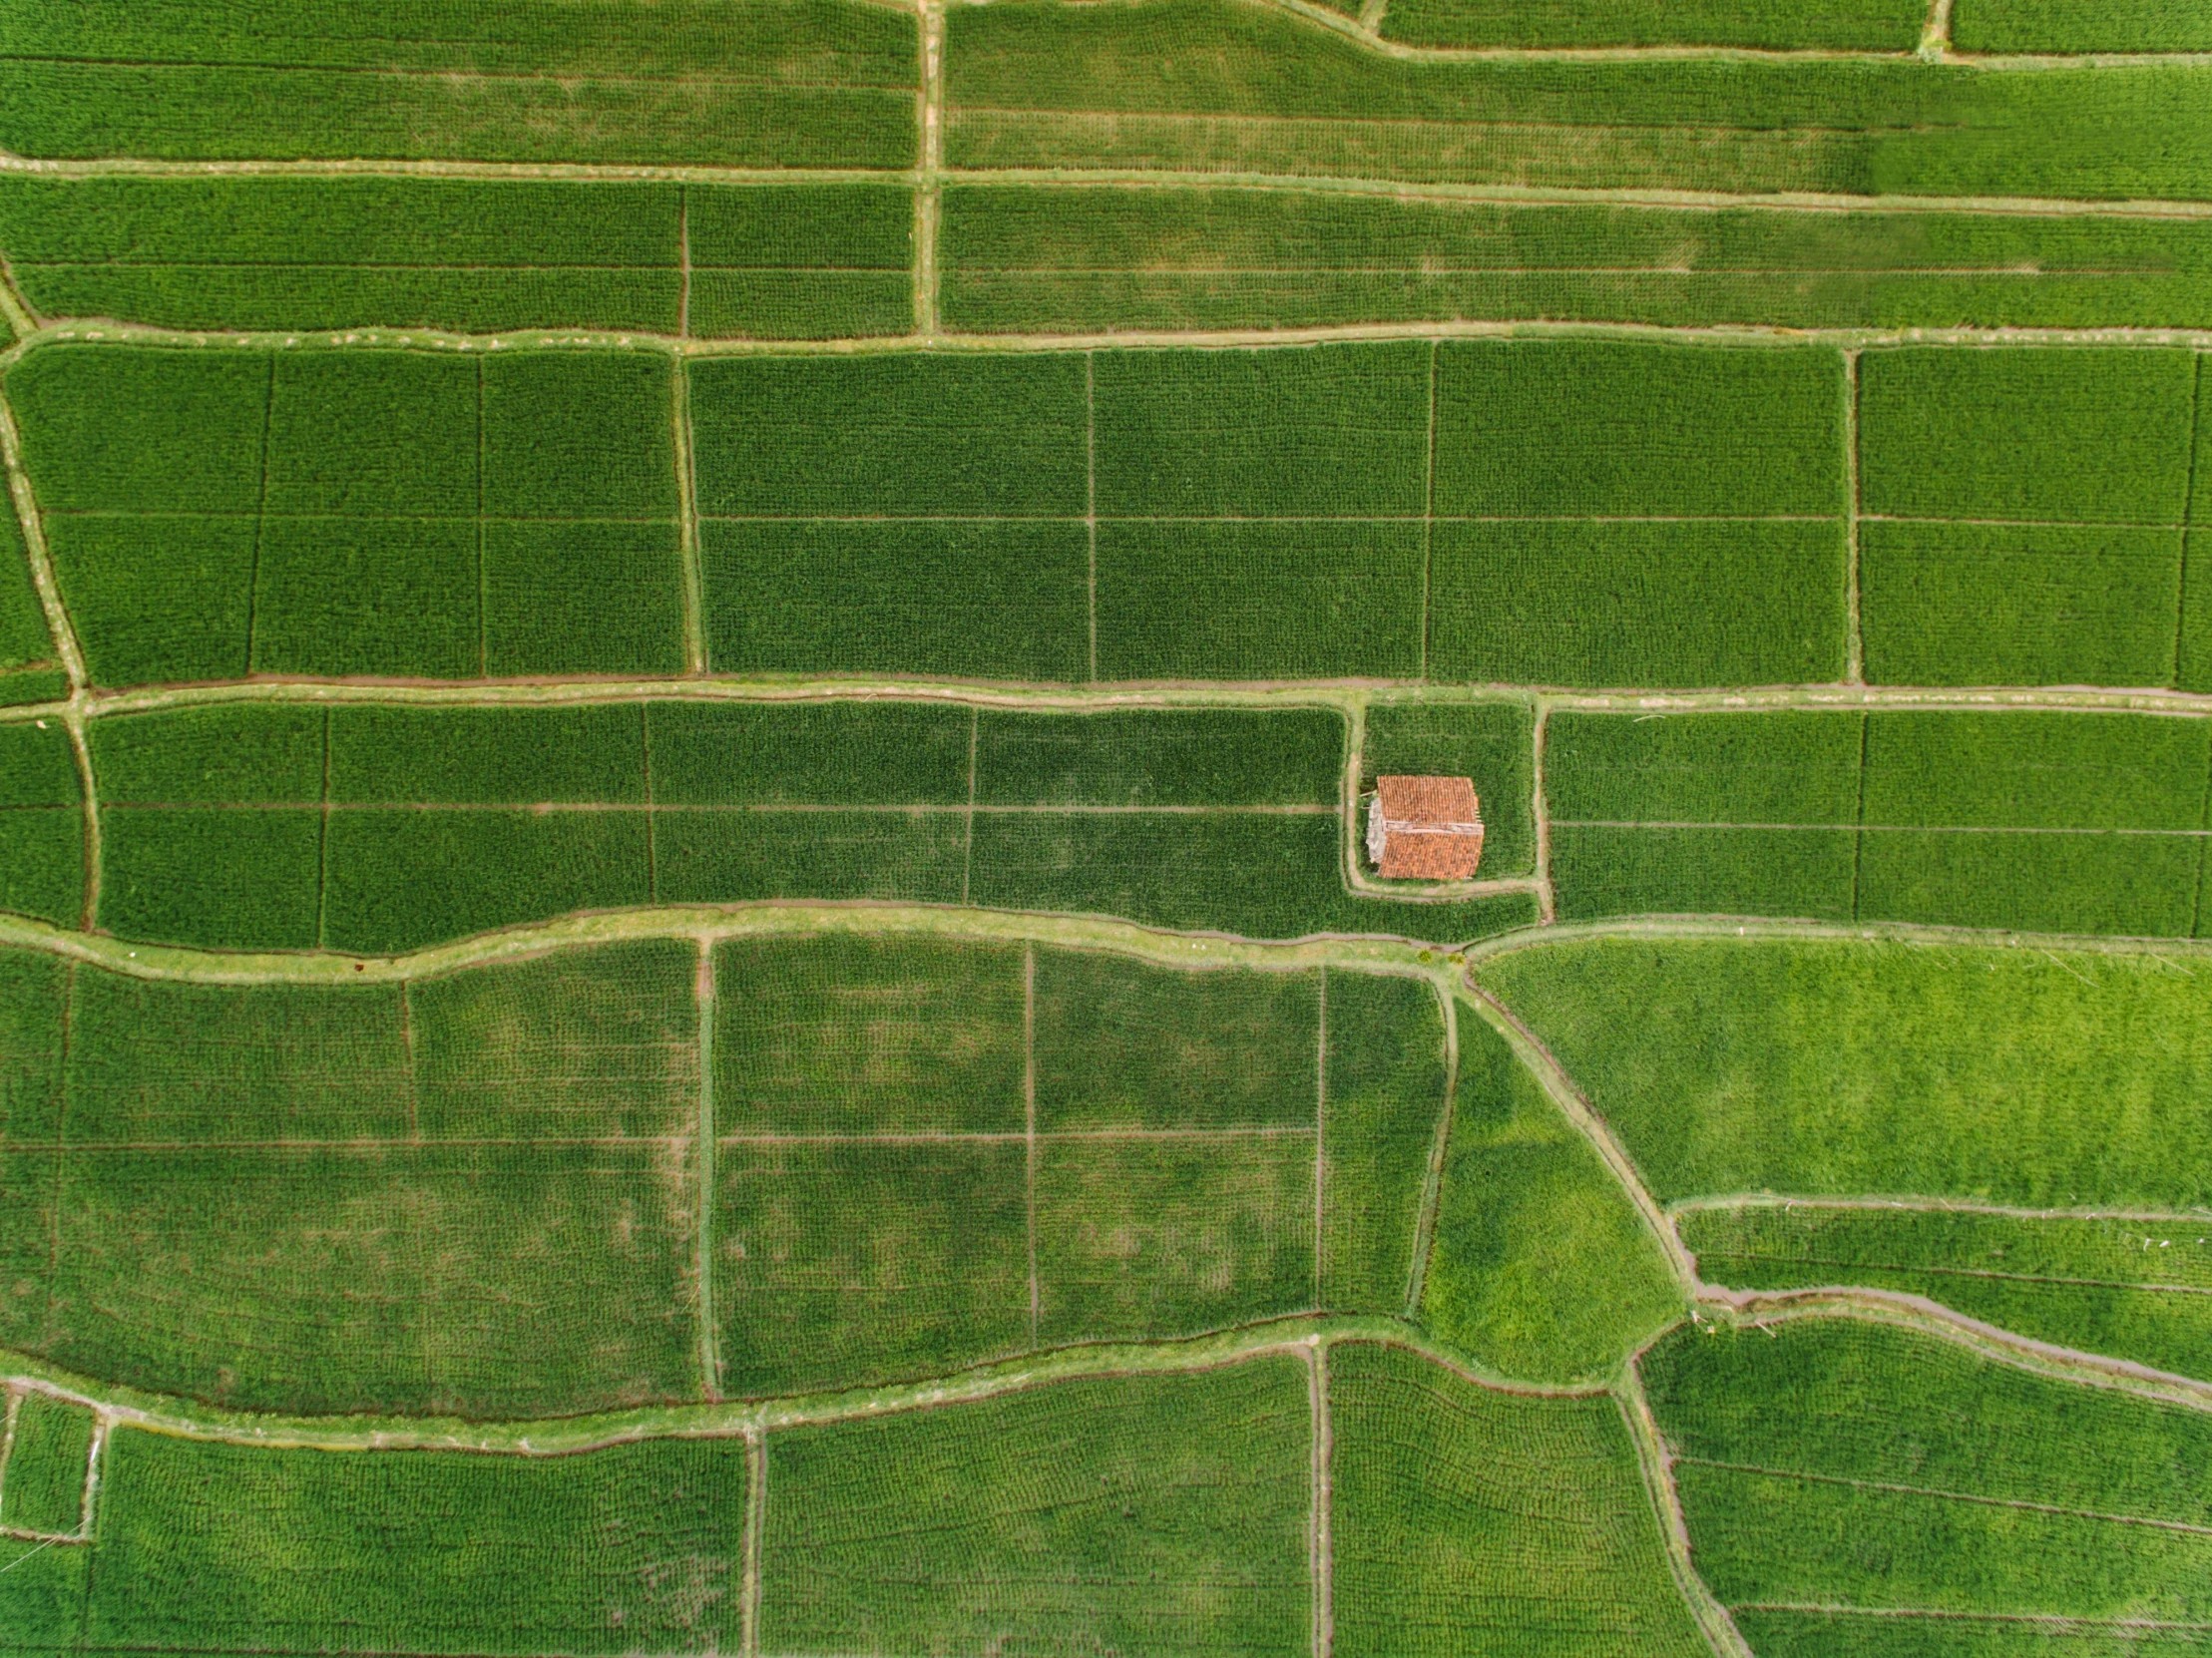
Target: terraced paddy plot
2021 515
1839 1477
1467 1511
2138 1289
1862 25
2037 1079
930 1153
1040 85
206 1544
42 825
49 1451
2052 822
816 83
1156 1514
347 514
469 1194
1017 257
471 255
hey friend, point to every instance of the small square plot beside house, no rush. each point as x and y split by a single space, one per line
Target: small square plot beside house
1423 828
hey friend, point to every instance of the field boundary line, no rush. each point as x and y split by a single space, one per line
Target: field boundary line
756 1525
1320 1136
1655 1462
24 504
1934 35
1763 1308
81 755
695 656
710 1353
1548 902
1028 1119
929 188
2025 1504
1855 651
1439 1144
1912 1204
1575 1107
1290 1336
15 310
1321 1555
88 1499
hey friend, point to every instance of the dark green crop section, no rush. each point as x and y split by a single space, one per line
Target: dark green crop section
2133 1289
42 1480
1540 1266
42 824
380 512
1137 1513
523 756
1489 743
1839 25
1387 1083
2079 26
468 1195
203 1544
859 754
1844 1466
1179 756
790 83
1016 258
1461 1509
1844 1070
25 641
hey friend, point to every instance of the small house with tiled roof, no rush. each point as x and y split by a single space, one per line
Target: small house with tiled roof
1425 828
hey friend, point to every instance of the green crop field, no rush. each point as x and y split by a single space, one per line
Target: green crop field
702 705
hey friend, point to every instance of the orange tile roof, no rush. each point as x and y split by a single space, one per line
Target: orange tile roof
1431 828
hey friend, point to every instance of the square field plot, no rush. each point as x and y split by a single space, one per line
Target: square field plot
954 599
412 435
129 429
577 436
862 1261
49 1457
1153 1514
157 600
1610 604
385 597
1488 742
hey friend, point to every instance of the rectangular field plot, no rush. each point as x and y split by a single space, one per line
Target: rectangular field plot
1141 1513
2132 1289
205 1545
1016 258
1463 1512
379 513
49 1456
2078 26
1861 25
472 1194
1386 1077
27 658
1489 743
1843 1069
1995 1493
42 824
819 84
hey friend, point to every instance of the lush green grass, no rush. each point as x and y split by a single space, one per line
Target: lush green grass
2139 1290
1703 870
42 1481
207 1546
2082 435
800 262
1153 1514
1851 1465
1385 1087
1102 257
2073 26
809 84
853 753
547 423
1466 1519
42 823
1161 757
1486 742
1854 1069
1580 603
1540 1266
24 639
1863 25
2018 604
517 756
1788 766
472 1194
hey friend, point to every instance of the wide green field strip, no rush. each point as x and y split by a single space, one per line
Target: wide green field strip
1540 1266
1842 1480
2050 822
465 255
42 1479
930 1154
2079 26
1848 1069
1153 1514
2021 515
1251 90
394 514
2135 1289
765 82
1019 257
42 828
382 829
1469 1520
29 670
1846 25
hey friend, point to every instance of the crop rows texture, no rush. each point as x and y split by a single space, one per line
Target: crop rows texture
2135 1289
42 1476
1843 25
1855 1489
480 1192
381 829
762 83
1210 85
2048 822
1470 1520
1847 1068
41 833
1540 1266
1073 256
2079 26
775 262
29 671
